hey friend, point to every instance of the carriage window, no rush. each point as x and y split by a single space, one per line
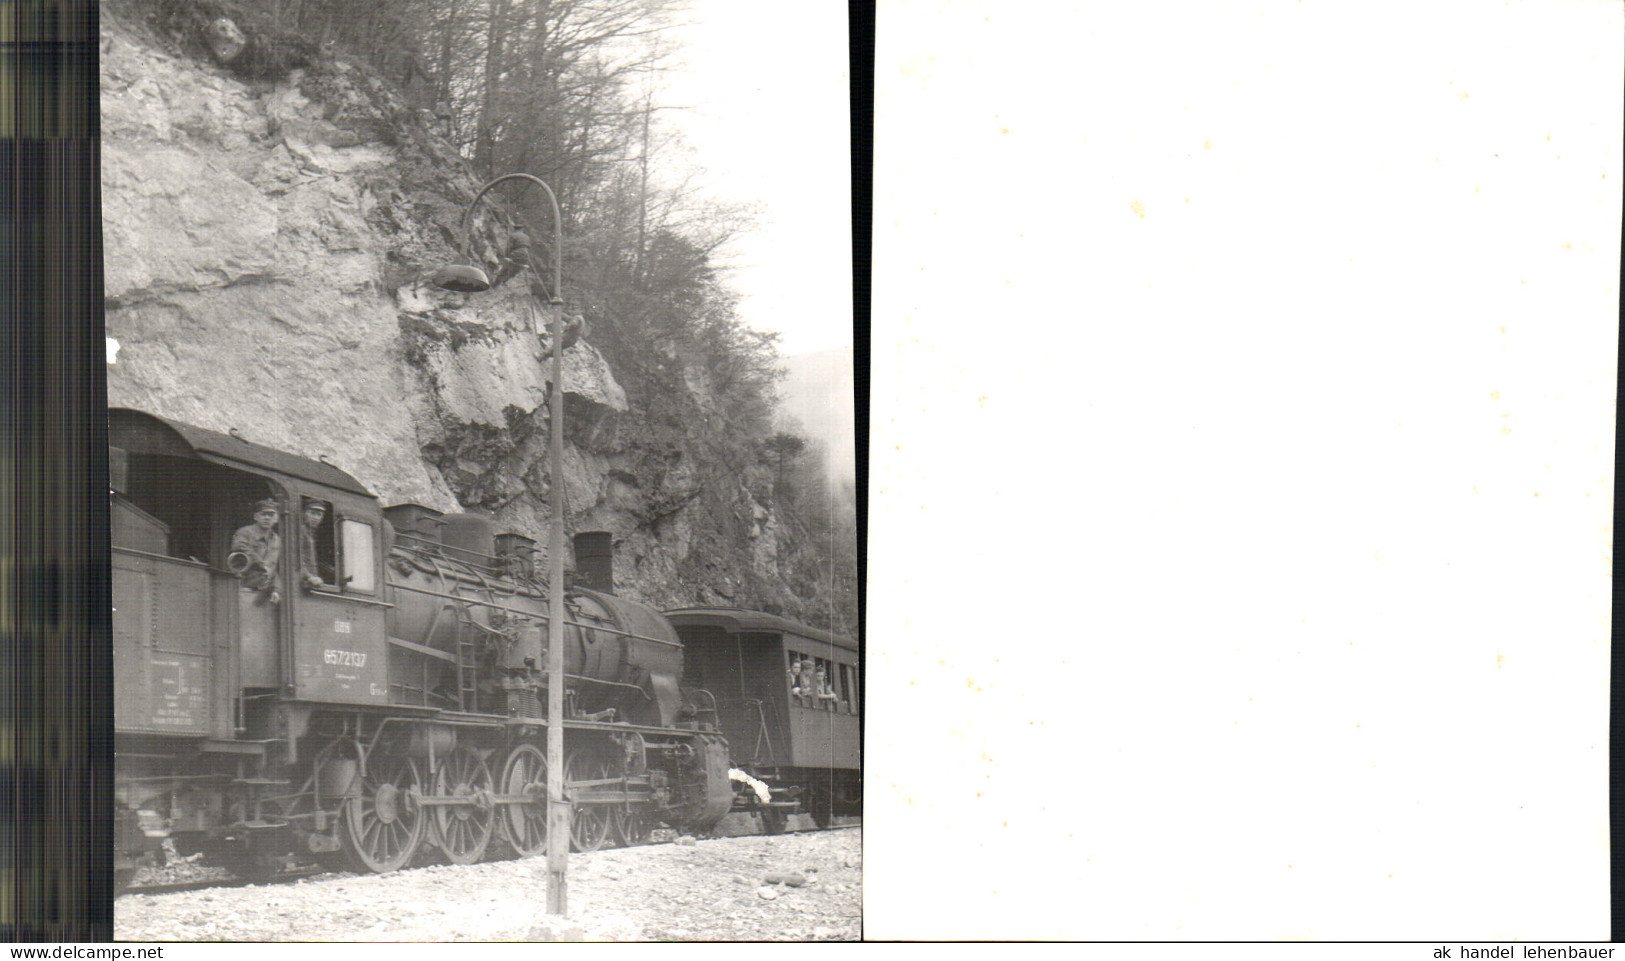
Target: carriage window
358 557
801 679
823 687
851 672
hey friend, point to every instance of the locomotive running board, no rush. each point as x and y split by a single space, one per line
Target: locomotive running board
422 649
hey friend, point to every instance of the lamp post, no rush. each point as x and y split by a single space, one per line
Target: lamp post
469 278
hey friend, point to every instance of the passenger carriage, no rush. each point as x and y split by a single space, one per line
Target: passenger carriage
804 743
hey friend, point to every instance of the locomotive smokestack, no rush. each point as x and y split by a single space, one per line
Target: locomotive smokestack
595 561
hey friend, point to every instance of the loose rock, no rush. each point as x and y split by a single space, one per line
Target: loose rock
556 931
700 895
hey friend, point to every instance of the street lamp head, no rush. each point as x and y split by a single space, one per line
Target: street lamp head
469 279
463 278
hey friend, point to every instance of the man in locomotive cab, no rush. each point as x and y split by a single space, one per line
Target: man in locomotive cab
315 546
255 550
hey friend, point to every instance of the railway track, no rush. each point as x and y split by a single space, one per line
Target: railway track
707 892
304 872
204 884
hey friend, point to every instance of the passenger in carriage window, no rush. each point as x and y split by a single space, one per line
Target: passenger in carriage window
795 677
801 679
809 690
255 550
826 696
315 565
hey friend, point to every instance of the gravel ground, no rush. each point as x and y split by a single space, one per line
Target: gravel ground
722 889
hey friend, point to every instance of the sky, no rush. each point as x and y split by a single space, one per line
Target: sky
768 85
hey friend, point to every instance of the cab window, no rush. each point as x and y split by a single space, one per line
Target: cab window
357 540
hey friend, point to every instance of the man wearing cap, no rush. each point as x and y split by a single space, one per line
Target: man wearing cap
310 569
262 546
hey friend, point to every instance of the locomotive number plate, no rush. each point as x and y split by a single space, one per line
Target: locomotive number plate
347 658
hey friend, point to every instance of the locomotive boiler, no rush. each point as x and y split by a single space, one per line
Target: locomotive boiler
361 684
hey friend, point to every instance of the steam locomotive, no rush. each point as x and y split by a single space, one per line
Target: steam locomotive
360 684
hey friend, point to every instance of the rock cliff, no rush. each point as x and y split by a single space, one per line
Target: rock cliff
267 244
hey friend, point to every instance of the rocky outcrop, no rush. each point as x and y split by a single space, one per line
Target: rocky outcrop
242 272
267 244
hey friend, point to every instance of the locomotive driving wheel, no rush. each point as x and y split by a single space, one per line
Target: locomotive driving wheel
589 823
382 827
631 826
464 831
629 823
524 825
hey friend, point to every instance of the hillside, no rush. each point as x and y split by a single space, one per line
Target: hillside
268 241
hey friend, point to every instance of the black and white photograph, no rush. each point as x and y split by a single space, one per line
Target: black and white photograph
721 471
482 471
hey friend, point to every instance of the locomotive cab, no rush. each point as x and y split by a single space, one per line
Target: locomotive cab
298 675
204 630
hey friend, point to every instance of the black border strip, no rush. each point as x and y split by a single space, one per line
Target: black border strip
56 686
